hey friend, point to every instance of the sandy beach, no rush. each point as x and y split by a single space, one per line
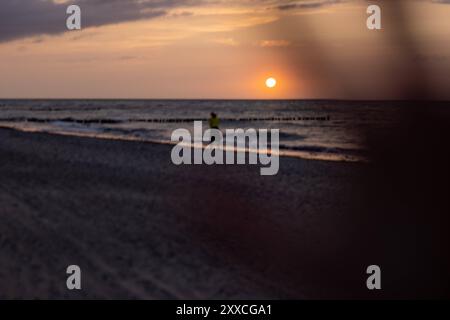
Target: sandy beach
141 227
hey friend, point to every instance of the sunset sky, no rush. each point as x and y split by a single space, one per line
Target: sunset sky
221 49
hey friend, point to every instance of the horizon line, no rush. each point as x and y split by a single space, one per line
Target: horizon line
234 99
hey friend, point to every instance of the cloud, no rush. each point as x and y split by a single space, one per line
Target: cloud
306 4
25 18
227 42
28 18
274 43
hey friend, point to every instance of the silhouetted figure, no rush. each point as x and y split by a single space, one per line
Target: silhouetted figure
214 121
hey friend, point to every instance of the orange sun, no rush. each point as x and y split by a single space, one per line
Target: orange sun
271 82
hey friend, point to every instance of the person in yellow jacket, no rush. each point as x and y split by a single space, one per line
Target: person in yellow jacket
214 121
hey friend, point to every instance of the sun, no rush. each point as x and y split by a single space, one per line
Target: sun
271 82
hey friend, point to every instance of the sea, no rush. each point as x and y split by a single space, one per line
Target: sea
313 129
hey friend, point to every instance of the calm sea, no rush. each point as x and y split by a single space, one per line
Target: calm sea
308 128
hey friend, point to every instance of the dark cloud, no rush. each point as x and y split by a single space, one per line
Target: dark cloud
306 4
24 18
310 4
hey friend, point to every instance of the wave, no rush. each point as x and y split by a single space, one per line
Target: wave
322 149
157 120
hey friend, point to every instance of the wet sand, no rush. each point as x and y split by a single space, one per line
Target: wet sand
141 227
